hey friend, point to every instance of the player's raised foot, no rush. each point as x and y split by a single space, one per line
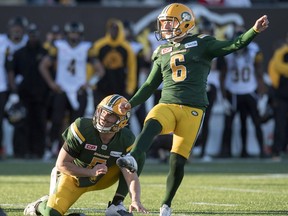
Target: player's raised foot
165 210
127 162
31 209
117 210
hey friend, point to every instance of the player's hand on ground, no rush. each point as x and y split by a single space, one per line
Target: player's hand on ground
261 24
99 169
137 206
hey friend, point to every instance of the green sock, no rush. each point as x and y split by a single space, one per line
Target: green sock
175 176
117 199
144 141
45 210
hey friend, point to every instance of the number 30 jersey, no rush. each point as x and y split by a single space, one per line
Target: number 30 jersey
241 76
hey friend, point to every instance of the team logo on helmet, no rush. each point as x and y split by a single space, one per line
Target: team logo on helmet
186 16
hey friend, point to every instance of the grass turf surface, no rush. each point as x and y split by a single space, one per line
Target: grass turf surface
222 187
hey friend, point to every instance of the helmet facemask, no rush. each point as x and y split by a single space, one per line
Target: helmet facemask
182 22
167 34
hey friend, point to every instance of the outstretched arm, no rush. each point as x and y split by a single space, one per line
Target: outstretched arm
220 48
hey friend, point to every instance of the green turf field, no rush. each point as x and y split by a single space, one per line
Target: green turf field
222 187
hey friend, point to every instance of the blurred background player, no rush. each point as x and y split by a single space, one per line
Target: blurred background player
142 68
119 61
15 38
278 73
52 35
29 134
242 86
4 87
70 56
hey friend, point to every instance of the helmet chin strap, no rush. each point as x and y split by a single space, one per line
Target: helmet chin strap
103 129
181 36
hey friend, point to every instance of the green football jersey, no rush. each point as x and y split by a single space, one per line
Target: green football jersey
82 141
184 67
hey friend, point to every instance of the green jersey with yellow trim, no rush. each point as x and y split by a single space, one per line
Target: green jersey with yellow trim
82 141
184 67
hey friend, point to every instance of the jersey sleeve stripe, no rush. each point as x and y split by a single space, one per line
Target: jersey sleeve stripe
77 134
129 148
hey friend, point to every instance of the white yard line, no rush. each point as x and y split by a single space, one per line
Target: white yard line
214 204
83 210
271 176
239 190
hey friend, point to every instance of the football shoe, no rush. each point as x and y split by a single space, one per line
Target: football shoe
165 210
117 210
31 209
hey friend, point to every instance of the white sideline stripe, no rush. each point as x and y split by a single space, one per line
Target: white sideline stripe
214 204
83 210
23 205
87 210
241 190
272 176
12 205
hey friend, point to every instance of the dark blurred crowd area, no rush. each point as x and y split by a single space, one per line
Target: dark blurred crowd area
36 105
228 3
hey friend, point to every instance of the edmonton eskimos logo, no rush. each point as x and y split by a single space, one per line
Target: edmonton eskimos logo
185 16
194 113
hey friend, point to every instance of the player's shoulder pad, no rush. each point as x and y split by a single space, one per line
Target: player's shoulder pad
128 135
201 36
157 50
78 130
128 132
83 123
52 50
205 38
